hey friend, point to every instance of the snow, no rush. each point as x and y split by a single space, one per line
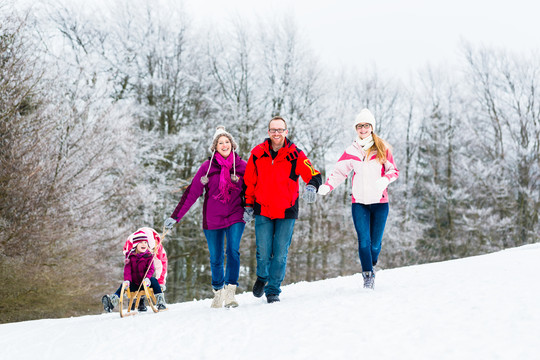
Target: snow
483 307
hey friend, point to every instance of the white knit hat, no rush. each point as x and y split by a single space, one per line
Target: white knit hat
364 117
220 131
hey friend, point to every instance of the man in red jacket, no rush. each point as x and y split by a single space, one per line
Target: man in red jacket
271 180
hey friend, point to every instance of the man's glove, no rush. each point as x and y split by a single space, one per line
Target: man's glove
310 194
163 287
146 282
248 214
169 223
323 189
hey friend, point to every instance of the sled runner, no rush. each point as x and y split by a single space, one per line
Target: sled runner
135 297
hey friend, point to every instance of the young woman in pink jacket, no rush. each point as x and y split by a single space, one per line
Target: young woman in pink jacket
373 164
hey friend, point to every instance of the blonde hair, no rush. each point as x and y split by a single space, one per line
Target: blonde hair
380 146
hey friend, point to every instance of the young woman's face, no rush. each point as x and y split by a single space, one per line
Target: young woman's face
224 146
142 246
364 130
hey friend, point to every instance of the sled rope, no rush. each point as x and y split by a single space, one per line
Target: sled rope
154 256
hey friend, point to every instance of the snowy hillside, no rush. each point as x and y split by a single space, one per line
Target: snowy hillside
484 307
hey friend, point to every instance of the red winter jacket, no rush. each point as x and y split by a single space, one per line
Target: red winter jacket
272 184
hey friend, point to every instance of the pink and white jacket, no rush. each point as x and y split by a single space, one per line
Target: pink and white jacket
370 178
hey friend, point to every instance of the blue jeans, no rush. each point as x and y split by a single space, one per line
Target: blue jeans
215 240
369 222
273 238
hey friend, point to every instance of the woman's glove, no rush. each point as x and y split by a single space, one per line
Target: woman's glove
324 189
382 183
169 223
146 282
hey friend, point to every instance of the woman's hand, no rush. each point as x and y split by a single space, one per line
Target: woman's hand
382 183
324 189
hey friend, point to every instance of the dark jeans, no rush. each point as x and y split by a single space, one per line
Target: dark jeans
215 240
154 284
273 238
369 222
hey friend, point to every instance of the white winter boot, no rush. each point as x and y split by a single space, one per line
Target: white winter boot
160 301
218 298
230 301
109 302
369 279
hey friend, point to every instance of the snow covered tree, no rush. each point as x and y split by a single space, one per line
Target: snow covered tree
506 123
61 175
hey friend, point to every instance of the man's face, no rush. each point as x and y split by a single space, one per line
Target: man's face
277 132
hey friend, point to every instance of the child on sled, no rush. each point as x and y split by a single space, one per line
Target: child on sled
154 242
138 260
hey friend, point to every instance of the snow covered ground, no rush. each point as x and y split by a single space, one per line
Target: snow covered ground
483 307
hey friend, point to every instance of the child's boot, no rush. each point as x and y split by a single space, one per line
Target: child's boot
230 300
142 305
160 301
218 298
109 302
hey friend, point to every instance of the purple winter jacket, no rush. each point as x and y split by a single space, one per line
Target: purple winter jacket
216 215
137 265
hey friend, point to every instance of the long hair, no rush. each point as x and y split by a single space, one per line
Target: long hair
380 146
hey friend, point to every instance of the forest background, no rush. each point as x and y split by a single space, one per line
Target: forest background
106 115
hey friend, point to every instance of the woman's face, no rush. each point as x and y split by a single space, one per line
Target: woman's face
224 146
363 130
142 246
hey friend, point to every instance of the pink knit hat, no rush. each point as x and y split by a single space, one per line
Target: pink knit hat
138 237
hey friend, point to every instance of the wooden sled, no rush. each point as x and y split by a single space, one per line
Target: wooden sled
135 296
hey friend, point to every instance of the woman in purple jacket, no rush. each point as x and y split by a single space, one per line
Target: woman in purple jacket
222 180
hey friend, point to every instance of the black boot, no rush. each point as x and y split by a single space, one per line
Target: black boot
107 303
258 288
271 298
142 306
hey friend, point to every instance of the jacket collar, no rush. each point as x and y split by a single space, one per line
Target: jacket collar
287 146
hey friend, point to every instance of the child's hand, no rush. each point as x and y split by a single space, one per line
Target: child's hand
126 283
146 282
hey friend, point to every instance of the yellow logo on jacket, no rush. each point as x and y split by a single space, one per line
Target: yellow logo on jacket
313 171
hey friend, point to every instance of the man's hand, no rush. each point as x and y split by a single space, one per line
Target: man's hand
310 194
248 214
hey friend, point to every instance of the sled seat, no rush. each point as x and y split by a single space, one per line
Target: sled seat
135 297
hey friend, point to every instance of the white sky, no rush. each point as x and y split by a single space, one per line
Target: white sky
398 36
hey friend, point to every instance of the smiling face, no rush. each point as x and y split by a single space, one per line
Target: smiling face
142 246
364 130
224 146
277 130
